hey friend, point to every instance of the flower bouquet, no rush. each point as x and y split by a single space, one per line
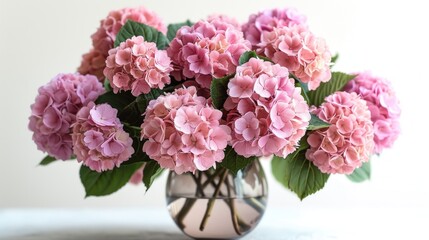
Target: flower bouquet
205 100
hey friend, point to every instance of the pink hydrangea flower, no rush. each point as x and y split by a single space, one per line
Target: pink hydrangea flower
99 140
55 108
266 112
184 133
268 20
348 142
207 49
383 105
93 63
300 51
137 176
105 36
138 66
225 18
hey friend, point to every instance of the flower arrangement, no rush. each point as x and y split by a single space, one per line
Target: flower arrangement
214 94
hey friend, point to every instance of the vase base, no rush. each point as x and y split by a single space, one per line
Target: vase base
229 218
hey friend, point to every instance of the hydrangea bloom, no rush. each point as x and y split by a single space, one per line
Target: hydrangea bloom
93 63
268 20
184 133
99 140
224 18
137 176
383 105
55 110
348 142
138 66
207 49
105 36
298 49
266 112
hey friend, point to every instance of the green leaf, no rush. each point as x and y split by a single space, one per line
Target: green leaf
298 174
172 28
317 123
105 183
361 174
235 162
303 86
334 58
117 100
303 145
149 34
151 171
106 85
246 56
138 156
47 160
130 109
337 83
218 91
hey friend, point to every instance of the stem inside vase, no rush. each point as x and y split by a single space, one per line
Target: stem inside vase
204 202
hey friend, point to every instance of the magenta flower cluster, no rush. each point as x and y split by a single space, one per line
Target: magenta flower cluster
383 105
300 51
105 36
138 66
55 108
348 142
207 50
184 133
267 20
266 112
99 139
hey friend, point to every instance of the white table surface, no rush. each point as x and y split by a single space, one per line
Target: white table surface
156 224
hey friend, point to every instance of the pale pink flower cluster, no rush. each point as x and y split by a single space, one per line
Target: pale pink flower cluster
55 108
348 142
266 112
207 50
138 66
267 20
224 18
384 107
298 49
105 36
183 132
99 139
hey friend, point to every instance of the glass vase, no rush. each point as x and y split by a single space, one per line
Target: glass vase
216 204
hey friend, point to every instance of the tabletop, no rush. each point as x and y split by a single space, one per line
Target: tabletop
156 224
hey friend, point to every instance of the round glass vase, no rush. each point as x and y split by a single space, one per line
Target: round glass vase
216 204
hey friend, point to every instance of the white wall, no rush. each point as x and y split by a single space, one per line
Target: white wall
39 39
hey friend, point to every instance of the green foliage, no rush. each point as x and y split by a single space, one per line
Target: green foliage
303 86
235 162
172 28
334 59
297 173
361 174
246 56
107 182
151 171
337 83
317 123
149 33
47 160
218 91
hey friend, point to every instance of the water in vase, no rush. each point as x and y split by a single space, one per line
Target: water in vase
220 218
